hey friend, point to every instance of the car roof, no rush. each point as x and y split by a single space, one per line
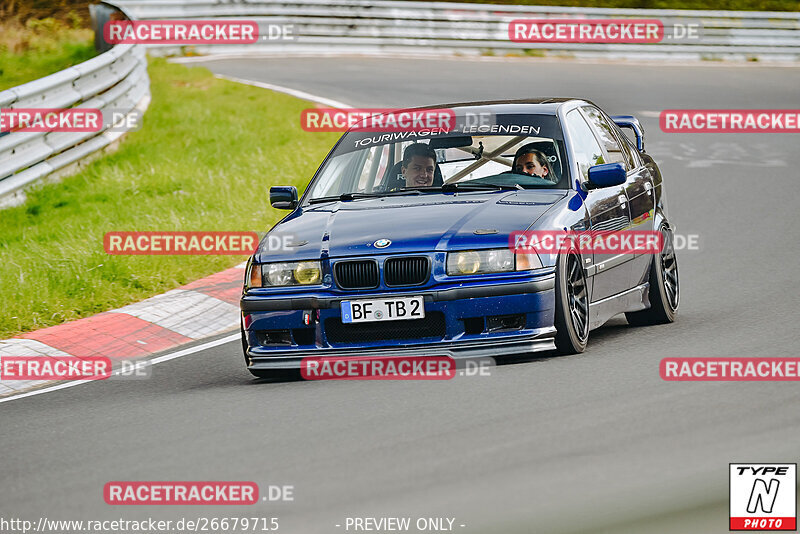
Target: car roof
546 105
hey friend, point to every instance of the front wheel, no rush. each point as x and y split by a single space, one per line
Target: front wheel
664 287
572 305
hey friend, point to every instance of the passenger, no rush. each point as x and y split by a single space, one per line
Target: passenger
531 161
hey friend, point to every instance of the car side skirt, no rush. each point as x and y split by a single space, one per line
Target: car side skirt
634 299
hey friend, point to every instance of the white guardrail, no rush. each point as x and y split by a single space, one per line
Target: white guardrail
115 81
388 26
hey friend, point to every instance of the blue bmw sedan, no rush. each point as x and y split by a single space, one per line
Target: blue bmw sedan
403 242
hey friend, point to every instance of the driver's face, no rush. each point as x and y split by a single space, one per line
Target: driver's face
528 164
419 172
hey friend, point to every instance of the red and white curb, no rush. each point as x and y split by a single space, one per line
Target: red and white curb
203 308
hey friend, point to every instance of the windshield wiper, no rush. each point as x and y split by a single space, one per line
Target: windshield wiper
455 187
353 196
461 186
446 188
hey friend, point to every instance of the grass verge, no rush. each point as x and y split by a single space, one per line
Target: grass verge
204 160
37 47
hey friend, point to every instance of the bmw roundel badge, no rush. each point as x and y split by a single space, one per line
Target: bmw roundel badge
382 243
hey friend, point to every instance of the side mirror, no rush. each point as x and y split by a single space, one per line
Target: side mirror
629 121
606 175
283 197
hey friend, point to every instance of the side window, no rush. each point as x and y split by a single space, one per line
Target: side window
587 151
629 148
627 151
605 131
329 182
629 145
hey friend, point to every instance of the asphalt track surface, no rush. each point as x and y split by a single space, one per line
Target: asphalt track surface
594 442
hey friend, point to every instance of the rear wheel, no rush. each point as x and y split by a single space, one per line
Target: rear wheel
664 290
572 305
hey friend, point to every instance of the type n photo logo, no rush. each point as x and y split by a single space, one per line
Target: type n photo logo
763 497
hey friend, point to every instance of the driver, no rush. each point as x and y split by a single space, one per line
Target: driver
531 161
419 165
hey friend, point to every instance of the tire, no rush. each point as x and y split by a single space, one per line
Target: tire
664 289
572 305
244 343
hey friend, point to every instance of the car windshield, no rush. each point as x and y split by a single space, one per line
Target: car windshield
507 152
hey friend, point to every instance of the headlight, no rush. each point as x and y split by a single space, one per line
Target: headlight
307 272
278 274
285 274
498 260
468 262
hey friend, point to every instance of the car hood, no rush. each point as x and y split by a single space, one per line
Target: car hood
421 223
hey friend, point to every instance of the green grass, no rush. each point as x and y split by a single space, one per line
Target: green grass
18 69
204 160
40 47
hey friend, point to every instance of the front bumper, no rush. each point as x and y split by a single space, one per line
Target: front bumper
455 310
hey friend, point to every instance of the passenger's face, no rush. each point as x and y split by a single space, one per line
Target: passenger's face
528 164
419 172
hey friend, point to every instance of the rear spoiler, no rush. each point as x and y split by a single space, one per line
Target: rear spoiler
629 121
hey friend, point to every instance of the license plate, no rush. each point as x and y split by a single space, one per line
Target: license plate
362 311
